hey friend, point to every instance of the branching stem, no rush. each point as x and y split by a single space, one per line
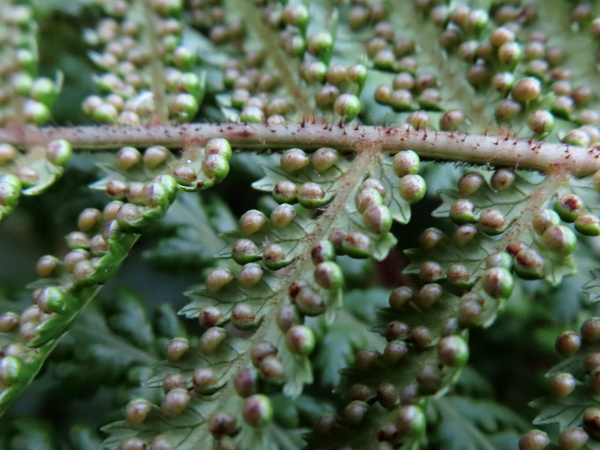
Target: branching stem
447 146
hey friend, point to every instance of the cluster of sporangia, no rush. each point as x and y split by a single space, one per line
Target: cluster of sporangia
130 68
254 91
129 98
19 172
103 239
335 87
209 17
524 258
499 62
431 352
583 350
95 252
308 296
24 97
198 167
547 224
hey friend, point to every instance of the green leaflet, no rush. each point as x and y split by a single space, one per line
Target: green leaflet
473 254
190 162
566 413
341 339
139 172
190 232
513 203
66 297
199 409
335 178
508 200
44 171
47 173
332 179
469 416
33 433
591 288
475 423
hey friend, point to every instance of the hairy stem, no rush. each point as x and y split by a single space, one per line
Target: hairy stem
447 146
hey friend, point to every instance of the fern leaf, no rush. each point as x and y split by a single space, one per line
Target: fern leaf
573 384
59 302
285 303
591 288
297 232
27 99
191 232
566 413
349 333
471 423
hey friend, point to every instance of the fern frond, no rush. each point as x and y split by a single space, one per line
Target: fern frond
262 297
68 288
148 76
27 98
308 306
